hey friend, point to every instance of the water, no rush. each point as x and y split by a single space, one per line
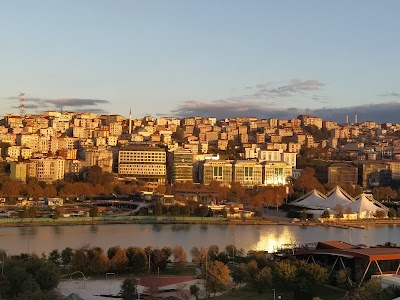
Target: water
249 237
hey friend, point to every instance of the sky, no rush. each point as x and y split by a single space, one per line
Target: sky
210 58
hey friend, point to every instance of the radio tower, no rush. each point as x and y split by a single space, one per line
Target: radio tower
22 104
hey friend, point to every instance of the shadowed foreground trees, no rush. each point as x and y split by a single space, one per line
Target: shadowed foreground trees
32 278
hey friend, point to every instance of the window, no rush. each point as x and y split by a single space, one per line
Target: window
248 171
217 172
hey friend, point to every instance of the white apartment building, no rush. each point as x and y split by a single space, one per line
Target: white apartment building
143 163
13 152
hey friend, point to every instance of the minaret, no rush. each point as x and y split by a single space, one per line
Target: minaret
347 119
355 119
130 121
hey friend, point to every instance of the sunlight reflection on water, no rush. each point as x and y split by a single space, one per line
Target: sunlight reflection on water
270 240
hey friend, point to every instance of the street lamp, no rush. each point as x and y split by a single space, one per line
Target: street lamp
279 297
2 261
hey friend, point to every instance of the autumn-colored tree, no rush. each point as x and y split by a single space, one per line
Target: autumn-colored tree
217 277
179 257
307 181
119 261
98 260
198 255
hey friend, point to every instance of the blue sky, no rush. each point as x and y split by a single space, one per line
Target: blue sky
211 57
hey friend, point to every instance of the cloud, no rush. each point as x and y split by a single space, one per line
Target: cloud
381 113
75 102
72 104
271 90
390 95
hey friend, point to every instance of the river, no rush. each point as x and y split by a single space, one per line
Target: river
249 237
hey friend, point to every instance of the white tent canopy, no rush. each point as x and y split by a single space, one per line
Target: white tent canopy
338 196
313 199
363 205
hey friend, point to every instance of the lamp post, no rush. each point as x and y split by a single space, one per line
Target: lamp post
274 293
2 261
149 264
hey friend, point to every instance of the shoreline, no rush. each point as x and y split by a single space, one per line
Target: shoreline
345 224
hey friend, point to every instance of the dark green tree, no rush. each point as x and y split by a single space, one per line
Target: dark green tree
129 289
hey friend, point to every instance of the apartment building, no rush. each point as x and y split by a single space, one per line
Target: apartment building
144 163
18 171
47 169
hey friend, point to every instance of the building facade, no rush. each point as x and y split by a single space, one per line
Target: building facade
143 163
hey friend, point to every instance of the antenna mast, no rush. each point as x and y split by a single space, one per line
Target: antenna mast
22 100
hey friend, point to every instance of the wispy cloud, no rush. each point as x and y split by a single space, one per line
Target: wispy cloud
395 95
272 90
75 102
382 112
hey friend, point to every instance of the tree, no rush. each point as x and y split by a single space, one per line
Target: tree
217 277
392 213
194 290
47 275
119 261
80 260
157 209
55 257
66 255
240 274
98 260
339 211
309 276
129 289
307 181
263 280
179 256
198 255
94 211
137 259
284 274
212 252
326 214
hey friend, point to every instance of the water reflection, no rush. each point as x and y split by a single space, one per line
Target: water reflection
271 240
203 227
57 230
157 227
179 227
93 229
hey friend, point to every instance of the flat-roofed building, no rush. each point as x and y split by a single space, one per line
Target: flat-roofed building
216 170
373 174
144 163
182 166
276 172
47 169
18 171
342 173
247 172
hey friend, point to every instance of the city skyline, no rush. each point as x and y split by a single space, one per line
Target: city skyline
225 59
